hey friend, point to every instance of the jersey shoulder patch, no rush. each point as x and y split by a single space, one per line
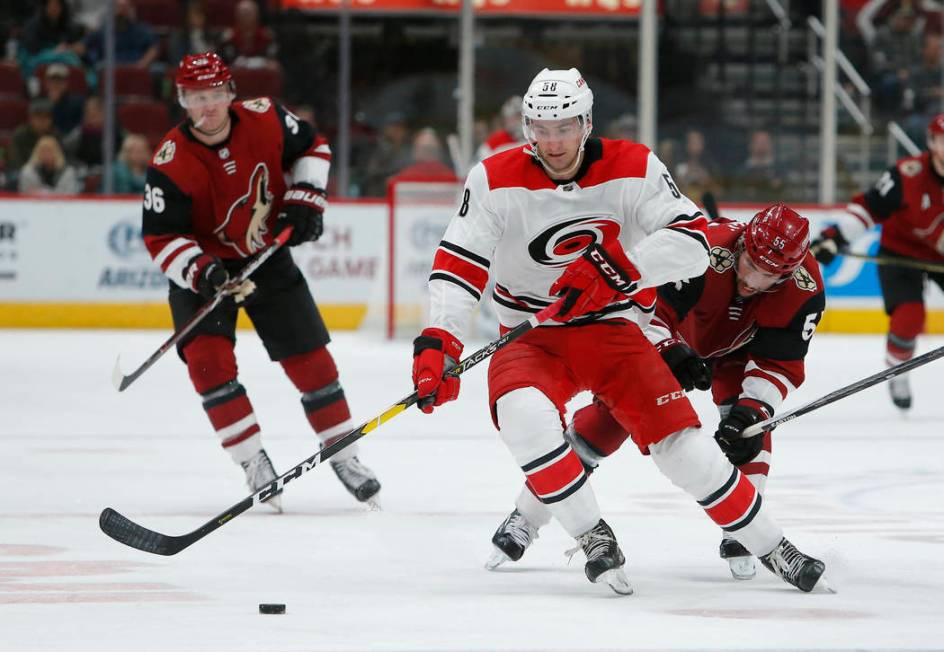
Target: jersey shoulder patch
166 153
515 168
257 105
721 259
804 280
910 167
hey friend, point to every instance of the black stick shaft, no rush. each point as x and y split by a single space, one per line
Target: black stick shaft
126 531
843 392
923 265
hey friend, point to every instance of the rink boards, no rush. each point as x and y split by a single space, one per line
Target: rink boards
80 262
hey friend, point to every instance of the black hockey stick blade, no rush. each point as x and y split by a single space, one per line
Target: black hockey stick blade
124 530
122 381
843 392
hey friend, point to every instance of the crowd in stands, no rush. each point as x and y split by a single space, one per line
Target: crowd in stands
52 115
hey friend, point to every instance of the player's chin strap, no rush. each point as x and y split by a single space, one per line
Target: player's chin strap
124 530
843 392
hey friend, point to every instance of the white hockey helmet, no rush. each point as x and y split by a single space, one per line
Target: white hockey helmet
557 95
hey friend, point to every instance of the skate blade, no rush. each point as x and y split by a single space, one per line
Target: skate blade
742 568
616 579
823 587
497 559
372 504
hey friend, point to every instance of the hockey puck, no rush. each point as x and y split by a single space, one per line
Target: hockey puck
270 608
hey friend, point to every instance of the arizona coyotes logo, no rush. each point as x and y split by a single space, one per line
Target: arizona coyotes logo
910 168
560 244
245 226
720 259
803 280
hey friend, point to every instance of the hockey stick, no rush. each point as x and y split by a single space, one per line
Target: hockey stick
843 392
126 531
926 266
121 381
711 205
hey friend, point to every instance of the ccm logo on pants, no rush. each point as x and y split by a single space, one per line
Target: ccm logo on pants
665 398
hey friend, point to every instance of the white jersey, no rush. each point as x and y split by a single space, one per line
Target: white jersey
521 227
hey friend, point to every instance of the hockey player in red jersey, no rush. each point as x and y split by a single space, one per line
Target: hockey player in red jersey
908 202
741 329
590 227
215 195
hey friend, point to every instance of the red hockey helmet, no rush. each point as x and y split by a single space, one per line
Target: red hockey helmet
777 239
205 70
936 126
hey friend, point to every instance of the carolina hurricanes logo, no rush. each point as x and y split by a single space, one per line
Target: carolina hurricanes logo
564 242
245 227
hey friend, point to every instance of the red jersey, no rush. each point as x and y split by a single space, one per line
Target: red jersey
223 199
773 328
908 201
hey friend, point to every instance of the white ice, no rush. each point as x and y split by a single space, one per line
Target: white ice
855 483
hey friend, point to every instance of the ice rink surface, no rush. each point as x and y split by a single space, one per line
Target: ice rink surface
854 483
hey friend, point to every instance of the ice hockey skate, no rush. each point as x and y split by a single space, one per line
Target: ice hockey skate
259 473
604 558
741 562
900 390
358 480
511 539
795 568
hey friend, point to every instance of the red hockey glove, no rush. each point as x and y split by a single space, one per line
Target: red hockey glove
599 277
435 352
690 370
827 246
730 434
303 208
207 275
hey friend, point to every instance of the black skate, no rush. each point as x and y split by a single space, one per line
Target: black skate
511 539
900 390
359 480
259 473
604 558
740 560
793 567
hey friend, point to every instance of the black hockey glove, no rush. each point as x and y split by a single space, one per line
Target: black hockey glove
303 209
734 445
691 371
828 245
207 275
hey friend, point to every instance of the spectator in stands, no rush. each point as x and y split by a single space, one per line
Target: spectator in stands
623 127
923 94
38 123
135 42
508 134
83 145
248 43
390 155
50 35
193 36
760 178
428 159
695 174
894 50
46 172
66 106
130 169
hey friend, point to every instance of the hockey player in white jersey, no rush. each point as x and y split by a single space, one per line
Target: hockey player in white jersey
592 227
